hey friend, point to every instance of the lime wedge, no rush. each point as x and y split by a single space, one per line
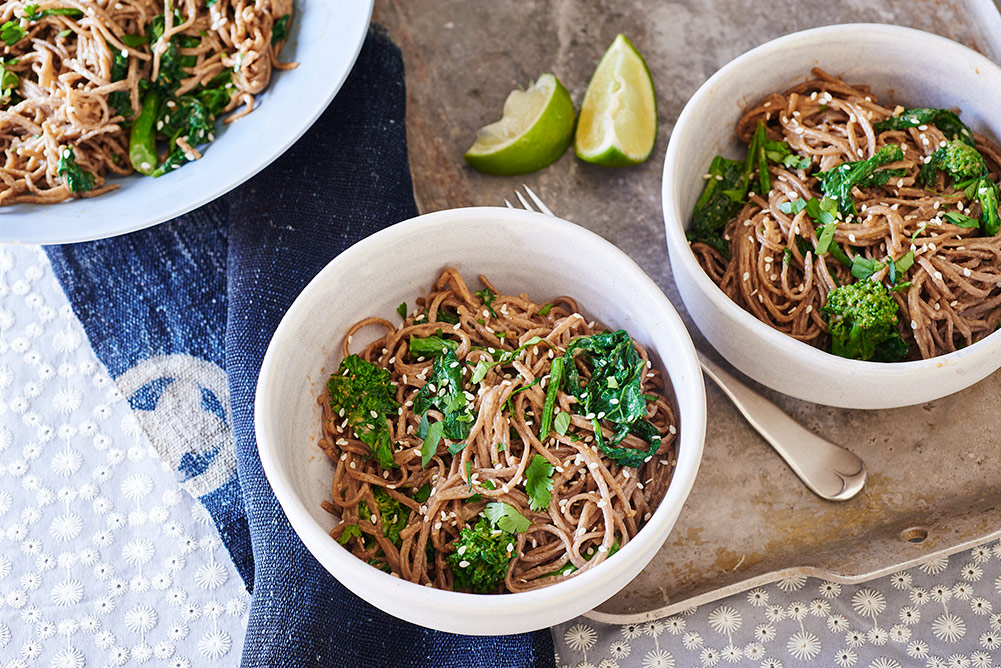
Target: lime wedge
535 131
618 117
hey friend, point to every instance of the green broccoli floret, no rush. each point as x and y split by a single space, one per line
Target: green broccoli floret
481 557
862 322
393 513
362 391
960 160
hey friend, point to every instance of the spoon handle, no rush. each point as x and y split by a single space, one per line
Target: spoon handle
830 471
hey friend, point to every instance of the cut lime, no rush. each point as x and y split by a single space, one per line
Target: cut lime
618 117
535 131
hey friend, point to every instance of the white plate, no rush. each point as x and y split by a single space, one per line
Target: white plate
325 39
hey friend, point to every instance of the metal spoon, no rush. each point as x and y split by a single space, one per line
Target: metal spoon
830 471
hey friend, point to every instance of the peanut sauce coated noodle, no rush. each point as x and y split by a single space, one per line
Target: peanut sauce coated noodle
597 505
65 60
954 294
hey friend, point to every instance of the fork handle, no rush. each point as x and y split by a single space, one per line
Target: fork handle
830 471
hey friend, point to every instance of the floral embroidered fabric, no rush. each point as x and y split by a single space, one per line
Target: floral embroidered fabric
104 561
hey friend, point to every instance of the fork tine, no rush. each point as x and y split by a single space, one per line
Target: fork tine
538 202
507 202
524 202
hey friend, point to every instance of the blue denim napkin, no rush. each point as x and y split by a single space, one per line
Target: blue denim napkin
181 315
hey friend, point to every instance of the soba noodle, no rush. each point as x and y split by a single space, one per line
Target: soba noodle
59 76
954 296
597 505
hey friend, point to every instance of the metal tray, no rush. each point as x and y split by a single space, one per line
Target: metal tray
934 469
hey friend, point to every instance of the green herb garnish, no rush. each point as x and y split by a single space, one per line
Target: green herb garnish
506 517
539 482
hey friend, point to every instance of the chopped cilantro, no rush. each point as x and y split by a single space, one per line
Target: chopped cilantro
539 482
506 517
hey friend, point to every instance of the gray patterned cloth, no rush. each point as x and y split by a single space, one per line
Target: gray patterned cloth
943 614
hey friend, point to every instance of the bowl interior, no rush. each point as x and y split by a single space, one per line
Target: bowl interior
519 252
901 66
325 45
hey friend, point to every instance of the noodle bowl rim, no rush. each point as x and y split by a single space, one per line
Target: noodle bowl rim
687 271
479 614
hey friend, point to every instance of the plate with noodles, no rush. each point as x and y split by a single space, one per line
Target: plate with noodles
490 438
840 206
118 116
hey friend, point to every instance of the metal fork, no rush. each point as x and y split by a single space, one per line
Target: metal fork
829 471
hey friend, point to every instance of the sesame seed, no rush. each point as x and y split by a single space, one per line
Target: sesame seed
966 271
463 564
914 324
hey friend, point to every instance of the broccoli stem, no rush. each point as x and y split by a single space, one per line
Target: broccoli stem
142 138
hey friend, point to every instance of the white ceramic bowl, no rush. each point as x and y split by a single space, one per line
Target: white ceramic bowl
902 65
519 251
325 39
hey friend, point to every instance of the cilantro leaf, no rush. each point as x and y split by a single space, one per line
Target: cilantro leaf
506 517
539 482
402 310
561 423
11 32
362 390
960 220
487 296
863 267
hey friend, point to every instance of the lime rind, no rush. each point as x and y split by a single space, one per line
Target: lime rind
535 130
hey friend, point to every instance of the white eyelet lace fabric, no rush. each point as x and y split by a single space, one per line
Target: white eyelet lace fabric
943 614
104 561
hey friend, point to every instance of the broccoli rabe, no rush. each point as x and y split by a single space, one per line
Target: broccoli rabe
961 161
987 193
363 392
393 513
481 557
945 120
838 182
862 322
444 392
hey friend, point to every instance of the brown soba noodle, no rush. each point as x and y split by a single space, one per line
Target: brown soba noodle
64 62
954 294
597 505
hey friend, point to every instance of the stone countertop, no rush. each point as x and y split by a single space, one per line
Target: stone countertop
463 58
